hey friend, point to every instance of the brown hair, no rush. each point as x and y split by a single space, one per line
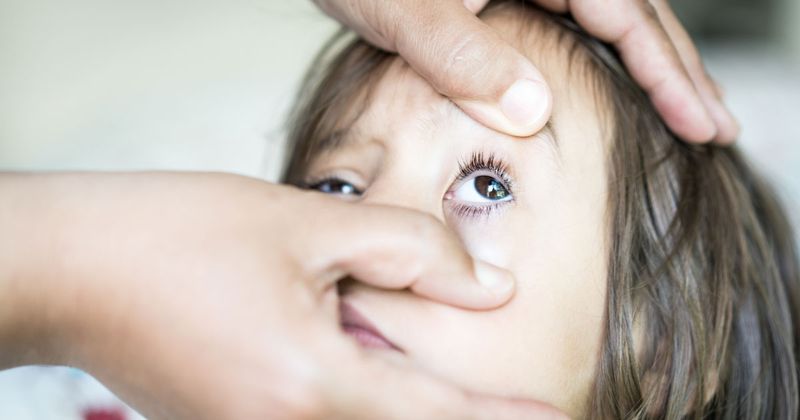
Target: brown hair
703 286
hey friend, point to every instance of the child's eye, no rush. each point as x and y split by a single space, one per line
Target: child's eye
481 188
335 186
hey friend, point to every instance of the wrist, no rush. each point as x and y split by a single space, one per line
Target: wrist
26 326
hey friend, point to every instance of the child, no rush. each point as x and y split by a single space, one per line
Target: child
656 279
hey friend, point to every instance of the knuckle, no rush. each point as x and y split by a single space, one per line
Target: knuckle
385 18
464 62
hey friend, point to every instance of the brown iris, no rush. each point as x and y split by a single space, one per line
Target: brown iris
490 188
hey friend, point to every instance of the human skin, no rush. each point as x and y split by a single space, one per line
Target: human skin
465 60
210 295
404 150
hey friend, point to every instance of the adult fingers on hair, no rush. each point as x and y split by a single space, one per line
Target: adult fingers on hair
397 248
633 26
408 393
727 127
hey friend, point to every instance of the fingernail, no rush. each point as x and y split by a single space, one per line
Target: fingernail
525 102
493 278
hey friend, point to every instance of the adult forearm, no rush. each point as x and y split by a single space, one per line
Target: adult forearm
30 322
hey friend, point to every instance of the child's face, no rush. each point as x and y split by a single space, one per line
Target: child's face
535 206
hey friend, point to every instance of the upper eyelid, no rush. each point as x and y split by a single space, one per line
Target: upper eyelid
489 161
331 174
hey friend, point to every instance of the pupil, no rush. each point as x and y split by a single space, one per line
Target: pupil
335 187
490 188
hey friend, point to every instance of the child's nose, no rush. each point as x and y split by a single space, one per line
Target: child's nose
408 191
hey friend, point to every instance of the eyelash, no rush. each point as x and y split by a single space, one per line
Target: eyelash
467 211
314 183
310 185
480 161
488 162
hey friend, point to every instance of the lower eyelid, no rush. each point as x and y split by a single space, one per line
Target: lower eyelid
472 211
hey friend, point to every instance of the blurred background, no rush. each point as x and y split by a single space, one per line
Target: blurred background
205 85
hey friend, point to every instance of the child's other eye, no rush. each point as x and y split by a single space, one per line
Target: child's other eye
481 188
335 186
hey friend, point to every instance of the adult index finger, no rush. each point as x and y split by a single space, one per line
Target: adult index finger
396 248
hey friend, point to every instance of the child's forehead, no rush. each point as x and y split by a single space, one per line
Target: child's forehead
403 88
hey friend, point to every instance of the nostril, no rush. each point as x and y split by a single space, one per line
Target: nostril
345 286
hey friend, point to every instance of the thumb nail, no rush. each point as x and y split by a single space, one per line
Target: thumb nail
493 278
525 102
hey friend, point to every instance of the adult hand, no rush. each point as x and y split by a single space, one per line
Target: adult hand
467 61
211 296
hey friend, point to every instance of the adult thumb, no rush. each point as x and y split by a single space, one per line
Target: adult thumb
468 61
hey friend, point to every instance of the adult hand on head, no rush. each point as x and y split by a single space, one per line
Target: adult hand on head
467 61
211 296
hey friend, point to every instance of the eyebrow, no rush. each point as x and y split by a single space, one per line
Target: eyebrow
549 132
332 141
340 137
550 138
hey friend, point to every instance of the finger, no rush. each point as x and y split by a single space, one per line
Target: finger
467 61
412 394
718 89
727 127
475 6
652 60
397 248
